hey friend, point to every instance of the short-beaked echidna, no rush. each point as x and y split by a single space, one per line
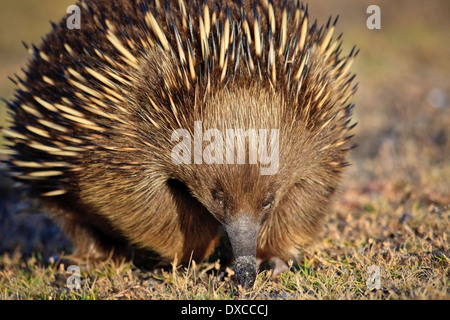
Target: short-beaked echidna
103 119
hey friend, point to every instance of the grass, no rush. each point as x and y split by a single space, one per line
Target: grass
392 214
411 253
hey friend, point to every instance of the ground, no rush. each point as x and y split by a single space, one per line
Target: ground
388 235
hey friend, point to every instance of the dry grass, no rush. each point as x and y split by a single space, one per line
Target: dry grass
393 211
411 250
407 241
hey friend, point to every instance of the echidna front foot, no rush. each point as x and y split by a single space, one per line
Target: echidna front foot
92 247
275 266
86 262
280 266
92 256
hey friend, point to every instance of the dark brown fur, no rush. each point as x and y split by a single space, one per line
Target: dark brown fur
122 187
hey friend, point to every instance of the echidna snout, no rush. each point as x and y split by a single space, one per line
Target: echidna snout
243 234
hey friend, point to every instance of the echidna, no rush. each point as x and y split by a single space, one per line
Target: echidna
104 121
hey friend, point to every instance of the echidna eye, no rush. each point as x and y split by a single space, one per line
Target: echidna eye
218 197
268 204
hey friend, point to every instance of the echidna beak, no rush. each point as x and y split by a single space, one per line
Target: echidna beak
243 234
245 270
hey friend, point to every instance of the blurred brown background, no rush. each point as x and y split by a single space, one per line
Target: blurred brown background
402 105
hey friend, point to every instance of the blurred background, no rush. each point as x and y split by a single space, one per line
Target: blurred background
402 107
